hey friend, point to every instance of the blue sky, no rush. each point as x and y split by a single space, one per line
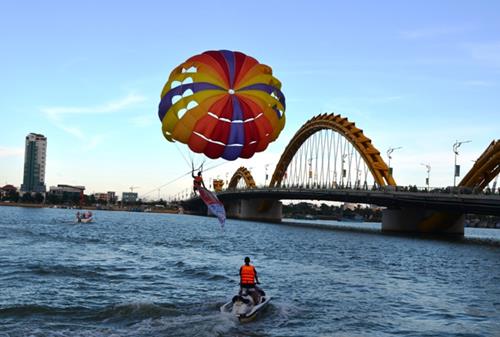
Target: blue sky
88 75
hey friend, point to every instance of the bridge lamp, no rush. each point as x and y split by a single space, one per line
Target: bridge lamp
342 170
389 155
456 172
266 167
427 180
358 178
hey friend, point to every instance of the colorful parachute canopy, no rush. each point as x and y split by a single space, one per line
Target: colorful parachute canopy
223 104
214 205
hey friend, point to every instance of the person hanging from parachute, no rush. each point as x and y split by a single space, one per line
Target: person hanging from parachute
198 179
224 104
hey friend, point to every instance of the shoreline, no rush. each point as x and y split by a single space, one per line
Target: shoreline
167 211
91 208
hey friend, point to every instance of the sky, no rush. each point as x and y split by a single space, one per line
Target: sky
88 75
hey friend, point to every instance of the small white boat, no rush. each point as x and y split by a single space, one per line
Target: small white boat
247 305
84 217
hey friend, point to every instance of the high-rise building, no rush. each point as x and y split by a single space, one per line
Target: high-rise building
34 163
129 197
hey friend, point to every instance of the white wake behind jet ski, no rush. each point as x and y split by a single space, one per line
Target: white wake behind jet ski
247 305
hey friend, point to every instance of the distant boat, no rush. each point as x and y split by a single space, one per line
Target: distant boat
84 217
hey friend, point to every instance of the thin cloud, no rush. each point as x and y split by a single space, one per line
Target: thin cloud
110 107
11 151
478 83
385 99
487 53
93 142
142 121
62 116
431 32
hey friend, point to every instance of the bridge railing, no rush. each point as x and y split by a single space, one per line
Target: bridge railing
414 188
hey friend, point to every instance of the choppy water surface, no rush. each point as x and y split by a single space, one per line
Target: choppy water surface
133 274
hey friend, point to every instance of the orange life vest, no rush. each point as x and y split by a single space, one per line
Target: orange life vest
247 274
197 181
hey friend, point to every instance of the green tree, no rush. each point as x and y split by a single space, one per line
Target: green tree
75 199
27 197
53 199
38 198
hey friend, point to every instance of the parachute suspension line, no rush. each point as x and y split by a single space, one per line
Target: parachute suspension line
167 183
182 154
199 168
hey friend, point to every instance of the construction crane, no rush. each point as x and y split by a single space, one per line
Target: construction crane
132 188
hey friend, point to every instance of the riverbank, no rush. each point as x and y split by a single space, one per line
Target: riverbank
91 208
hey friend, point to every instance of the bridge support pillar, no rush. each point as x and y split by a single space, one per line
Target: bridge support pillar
254 209
416 220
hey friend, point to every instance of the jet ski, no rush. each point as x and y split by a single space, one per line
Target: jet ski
247 304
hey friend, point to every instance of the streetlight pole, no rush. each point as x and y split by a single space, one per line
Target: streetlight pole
343 172
389 153
265 182
456 168
428 179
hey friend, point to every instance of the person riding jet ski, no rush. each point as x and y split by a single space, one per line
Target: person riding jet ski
248 275
249 280
251 299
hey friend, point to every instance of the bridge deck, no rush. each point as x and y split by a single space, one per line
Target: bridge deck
463 203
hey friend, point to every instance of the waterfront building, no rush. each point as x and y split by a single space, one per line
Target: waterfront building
129 197
34 163
111 197
66 192
108 197
103 197
7 191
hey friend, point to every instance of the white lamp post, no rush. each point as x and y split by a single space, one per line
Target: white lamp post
427 180
456 168
389 153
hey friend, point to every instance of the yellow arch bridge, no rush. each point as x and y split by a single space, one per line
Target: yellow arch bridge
330 158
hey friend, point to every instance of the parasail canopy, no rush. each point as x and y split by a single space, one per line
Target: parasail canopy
224 104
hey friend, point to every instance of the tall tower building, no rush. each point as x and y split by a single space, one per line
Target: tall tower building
34 163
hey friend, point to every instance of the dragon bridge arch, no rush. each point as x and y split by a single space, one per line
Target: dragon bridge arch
241 173
362 144
485 169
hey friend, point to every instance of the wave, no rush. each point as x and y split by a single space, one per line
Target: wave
68 271
136 312
203 273
126 312
34 309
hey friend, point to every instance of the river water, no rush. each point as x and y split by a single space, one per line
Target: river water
140 274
